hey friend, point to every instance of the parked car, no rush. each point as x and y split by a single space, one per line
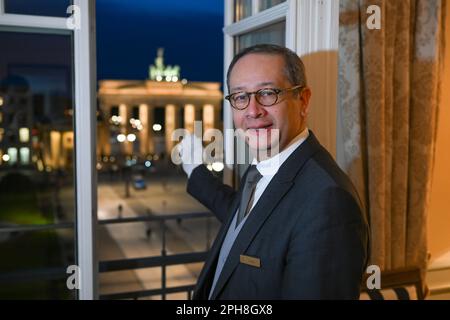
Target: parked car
139 182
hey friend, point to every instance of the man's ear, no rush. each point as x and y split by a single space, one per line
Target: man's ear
305 97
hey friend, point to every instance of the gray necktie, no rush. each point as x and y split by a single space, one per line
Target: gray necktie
253 176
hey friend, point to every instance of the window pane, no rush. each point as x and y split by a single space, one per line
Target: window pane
52 8
36 165
266 4
243 9
274 34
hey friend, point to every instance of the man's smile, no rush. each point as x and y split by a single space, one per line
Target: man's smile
259 128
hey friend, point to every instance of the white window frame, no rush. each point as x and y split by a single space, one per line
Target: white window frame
312 26
84 127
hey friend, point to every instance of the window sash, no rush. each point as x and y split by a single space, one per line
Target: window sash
84 128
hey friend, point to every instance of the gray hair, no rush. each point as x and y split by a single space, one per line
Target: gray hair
294 68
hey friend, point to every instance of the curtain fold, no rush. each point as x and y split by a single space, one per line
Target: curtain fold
388 88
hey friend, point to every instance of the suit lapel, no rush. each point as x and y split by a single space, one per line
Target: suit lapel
204 286
277 188
258 216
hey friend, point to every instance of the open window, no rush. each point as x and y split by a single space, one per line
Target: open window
47 139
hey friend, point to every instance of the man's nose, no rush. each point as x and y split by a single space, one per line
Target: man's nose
254 109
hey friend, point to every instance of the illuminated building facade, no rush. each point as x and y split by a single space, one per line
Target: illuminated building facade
29 138
139 117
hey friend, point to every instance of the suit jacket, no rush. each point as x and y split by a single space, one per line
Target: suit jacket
308 229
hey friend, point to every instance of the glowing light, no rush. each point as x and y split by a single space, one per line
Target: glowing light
184 81
121 137
24 134
217 166
129 163
159 78
99 166
24 155
148 164
209 167
6 157
1 101
116 120
174 79
137 124
40 165
131 137
168 78
12 152
157 127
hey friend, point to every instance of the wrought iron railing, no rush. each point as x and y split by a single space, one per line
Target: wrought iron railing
163 261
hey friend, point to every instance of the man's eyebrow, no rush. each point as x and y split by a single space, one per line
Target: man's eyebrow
261 84
270 83
237 89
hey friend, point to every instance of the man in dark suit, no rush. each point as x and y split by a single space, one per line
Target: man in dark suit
295 229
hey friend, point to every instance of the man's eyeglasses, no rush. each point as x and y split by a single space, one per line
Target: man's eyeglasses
266 97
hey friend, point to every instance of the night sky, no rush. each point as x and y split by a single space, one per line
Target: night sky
130 31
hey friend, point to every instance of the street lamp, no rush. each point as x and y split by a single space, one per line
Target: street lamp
126 170
131 137
121 137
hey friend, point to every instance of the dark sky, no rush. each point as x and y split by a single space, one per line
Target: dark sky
130 31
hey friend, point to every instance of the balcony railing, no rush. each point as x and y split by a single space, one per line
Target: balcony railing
163 261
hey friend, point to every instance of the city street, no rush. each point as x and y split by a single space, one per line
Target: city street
163 195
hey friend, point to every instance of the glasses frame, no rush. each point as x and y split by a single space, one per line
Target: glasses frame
255 93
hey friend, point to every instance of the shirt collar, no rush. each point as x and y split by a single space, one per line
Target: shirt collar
269 167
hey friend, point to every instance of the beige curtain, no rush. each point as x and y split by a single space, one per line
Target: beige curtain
388 86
